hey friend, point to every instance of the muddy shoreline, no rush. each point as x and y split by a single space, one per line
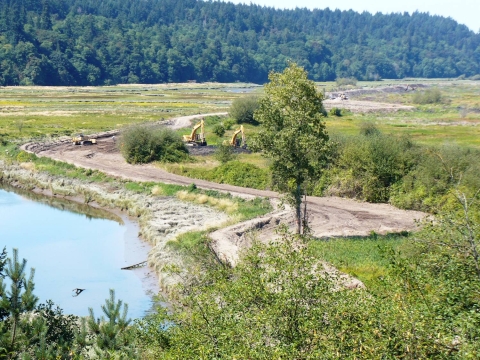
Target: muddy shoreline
136 248
158 219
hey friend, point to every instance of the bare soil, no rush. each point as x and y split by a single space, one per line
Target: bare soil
357 106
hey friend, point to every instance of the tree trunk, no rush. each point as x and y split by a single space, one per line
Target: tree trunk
298 208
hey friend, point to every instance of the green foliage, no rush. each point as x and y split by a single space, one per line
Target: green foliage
368 166
75 42
429 185
17 302
278 302
430 96
369 129
239 174
227 124
224 153
111 334
336 112
141 144
23 156
346 81
219 130
292 133
242 109
233 172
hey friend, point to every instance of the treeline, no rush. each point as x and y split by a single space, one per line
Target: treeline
86 42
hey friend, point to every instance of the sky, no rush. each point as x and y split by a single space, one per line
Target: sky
463 11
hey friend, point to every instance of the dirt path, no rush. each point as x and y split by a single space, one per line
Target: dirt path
329 216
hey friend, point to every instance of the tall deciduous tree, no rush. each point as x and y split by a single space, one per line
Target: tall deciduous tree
293 133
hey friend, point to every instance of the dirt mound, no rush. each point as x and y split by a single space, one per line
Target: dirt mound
210 150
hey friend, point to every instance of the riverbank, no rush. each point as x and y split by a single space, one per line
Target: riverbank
160 218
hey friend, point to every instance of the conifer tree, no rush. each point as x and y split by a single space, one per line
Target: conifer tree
111 334
15 302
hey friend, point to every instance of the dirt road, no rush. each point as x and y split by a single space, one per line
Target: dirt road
329 216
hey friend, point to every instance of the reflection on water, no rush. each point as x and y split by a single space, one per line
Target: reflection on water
71 246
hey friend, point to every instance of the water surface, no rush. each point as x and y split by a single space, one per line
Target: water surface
71 246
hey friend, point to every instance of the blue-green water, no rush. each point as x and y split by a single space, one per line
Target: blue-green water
74 246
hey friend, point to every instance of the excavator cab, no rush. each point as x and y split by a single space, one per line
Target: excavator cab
235 141
81 139
196 138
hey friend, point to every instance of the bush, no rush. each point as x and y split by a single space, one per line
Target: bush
430 96
227 124
368 167
336 112
141 144
475 77
368 129
346 81
3 140
24 156
240 174
219 130
224 153
242 109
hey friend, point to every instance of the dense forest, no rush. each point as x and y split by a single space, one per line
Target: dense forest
95 42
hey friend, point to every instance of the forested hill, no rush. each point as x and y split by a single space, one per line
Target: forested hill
92 42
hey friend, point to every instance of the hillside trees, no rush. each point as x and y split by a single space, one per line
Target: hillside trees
156 41
292 133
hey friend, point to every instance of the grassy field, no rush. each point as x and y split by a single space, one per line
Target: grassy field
54 111
28 112
456 119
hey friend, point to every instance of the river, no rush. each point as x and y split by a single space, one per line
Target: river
73 245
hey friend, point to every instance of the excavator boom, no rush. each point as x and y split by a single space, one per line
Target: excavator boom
233 140
194 138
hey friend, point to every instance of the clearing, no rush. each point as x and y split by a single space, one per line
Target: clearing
329 216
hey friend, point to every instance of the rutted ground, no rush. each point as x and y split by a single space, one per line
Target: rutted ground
329 217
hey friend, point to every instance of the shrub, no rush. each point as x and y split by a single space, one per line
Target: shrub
430 96
227 124
24 156
240 174
141 144
346 81
475 77
242 109
224 153
3 140
368 129
219 130
336 112
368 167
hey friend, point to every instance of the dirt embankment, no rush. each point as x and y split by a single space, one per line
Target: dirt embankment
329 217
346 99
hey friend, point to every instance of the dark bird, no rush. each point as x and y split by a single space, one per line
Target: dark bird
77 291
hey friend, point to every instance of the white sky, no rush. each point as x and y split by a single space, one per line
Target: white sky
463 11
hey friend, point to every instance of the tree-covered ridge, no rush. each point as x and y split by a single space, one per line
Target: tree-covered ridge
92 42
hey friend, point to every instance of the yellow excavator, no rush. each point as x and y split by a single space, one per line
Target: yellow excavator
81 139
234 141
195 138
